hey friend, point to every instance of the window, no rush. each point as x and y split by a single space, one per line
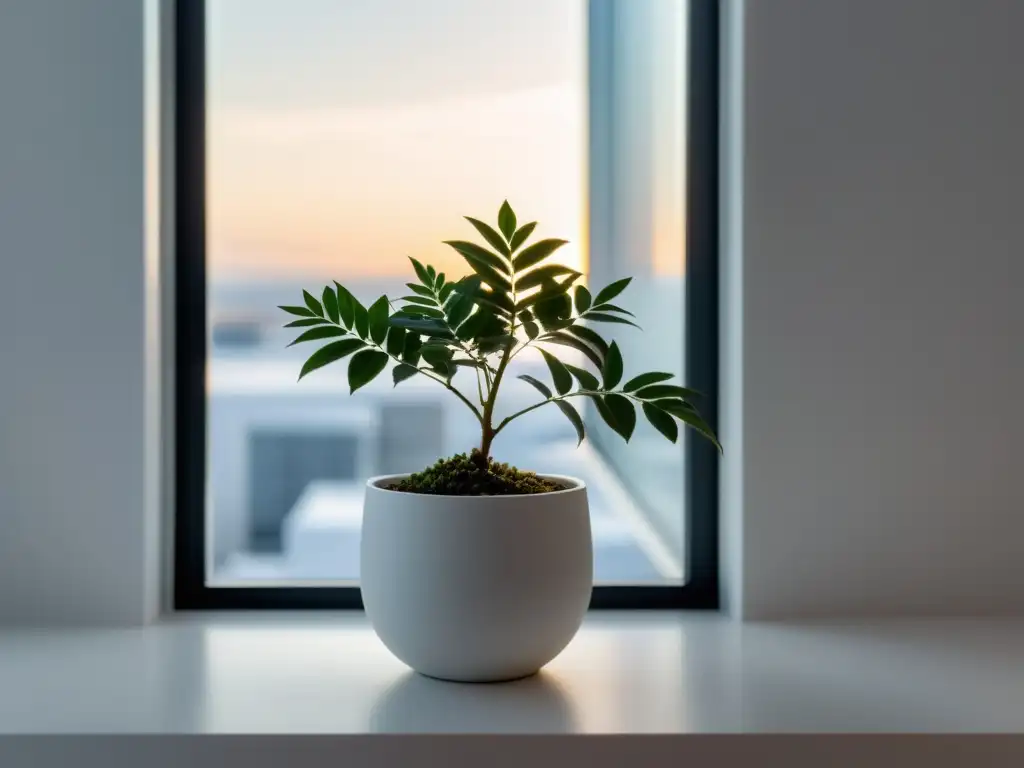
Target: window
328 139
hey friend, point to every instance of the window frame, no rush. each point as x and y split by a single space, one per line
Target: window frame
700 589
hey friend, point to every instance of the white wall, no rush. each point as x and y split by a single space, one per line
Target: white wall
78 463
880 315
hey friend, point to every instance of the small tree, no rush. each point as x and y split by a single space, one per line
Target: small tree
513 300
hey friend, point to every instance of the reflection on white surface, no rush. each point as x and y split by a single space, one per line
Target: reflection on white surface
624 673
418 704
586 689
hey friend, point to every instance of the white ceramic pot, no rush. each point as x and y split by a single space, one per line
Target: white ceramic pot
476 588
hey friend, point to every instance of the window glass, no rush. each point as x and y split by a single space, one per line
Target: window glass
346 135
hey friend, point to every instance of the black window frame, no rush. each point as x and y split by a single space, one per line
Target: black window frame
700 590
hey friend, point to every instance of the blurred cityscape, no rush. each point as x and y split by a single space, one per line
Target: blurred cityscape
288 461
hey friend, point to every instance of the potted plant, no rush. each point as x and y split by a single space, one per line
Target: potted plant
471 569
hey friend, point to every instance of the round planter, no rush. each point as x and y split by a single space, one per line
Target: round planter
476 588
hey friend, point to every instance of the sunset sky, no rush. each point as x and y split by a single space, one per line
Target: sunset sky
345 134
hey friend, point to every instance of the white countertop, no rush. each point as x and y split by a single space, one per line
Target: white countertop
681 673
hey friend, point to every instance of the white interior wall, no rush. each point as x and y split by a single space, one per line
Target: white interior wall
78 400
872 336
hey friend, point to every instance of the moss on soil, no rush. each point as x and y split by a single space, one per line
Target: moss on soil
474 475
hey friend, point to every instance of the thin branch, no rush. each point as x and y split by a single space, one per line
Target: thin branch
444 383
523 345
566 396
479 387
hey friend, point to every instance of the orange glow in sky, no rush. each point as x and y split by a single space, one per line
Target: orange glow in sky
344 136
353 191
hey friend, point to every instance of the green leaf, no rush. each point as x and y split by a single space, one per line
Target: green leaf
436 355
315 334
331 305
582 299
612 308
489 344
574 417
565 340
362 320
346 304
540 386
646 379
536 253
606 412
421 300
531 328
499 300
496 241
543 274
601 317
462 306
439 282
559 373
300 311
489 275
521 235
330 353
377 317
625 415
418 310
472 327
506 220
477 255
673 406
439 358
611 373
610 292
593 338
495 324
396 341
659 391
313 304
421 272
403 372
470 284
586 379
440 343
694 420
305 322
662 422
364 367
446 370
551 289
431 274
553 311
411 350
422 290
425 325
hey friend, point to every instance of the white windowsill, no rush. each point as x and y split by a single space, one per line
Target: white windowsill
326 673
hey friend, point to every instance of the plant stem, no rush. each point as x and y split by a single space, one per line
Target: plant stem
479 387
486 420
488 415
439 380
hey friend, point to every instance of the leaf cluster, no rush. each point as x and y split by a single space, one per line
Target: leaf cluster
514 298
